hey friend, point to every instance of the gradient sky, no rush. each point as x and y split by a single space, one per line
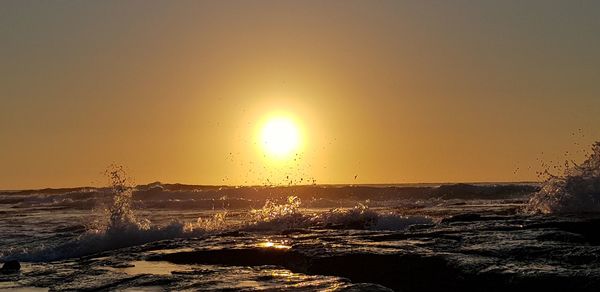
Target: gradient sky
387 91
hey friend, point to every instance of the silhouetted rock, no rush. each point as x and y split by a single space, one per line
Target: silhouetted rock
412 272
585 229
10 267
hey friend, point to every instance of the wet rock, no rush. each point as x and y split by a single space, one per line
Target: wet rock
401 272
468 217
562 237
584 227
10 267
410 272
236 257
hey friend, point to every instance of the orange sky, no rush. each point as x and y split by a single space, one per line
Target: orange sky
388 91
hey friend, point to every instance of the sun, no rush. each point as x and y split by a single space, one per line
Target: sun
280 137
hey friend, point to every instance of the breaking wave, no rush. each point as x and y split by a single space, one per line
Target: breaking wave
576 191
121 226
289 215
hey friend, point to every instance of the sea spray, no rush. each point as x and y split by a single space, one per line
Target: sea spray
118 227
121 227
274 215
217 222
287 215
577 190
120 215
363 217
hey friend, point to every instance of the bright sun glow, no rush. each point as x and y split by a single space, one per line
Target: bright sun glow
280 137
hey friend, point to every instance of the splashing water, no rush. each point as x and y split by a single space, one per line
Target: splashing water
275 216
121 227
120 215
576 191
361 217
280 216
216 223
358 217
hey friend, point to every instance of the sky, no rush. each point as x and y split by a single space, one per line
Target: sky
382 91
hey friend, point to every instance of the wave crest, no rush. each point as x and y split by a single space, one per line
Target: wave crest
576 191
288 215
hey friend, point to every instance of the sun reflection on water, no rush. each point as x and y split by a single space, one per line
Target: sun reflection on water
272 244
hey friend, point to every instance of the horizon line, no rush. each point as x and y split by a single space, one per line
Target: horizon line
282 185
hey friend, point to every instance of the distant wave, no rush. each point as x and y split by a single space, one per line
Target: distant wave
180 197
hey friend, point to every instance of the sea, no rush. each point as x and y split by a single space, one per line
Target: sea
425 237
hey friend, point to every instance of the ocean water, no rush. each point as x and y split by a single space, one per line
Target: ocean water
158 237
